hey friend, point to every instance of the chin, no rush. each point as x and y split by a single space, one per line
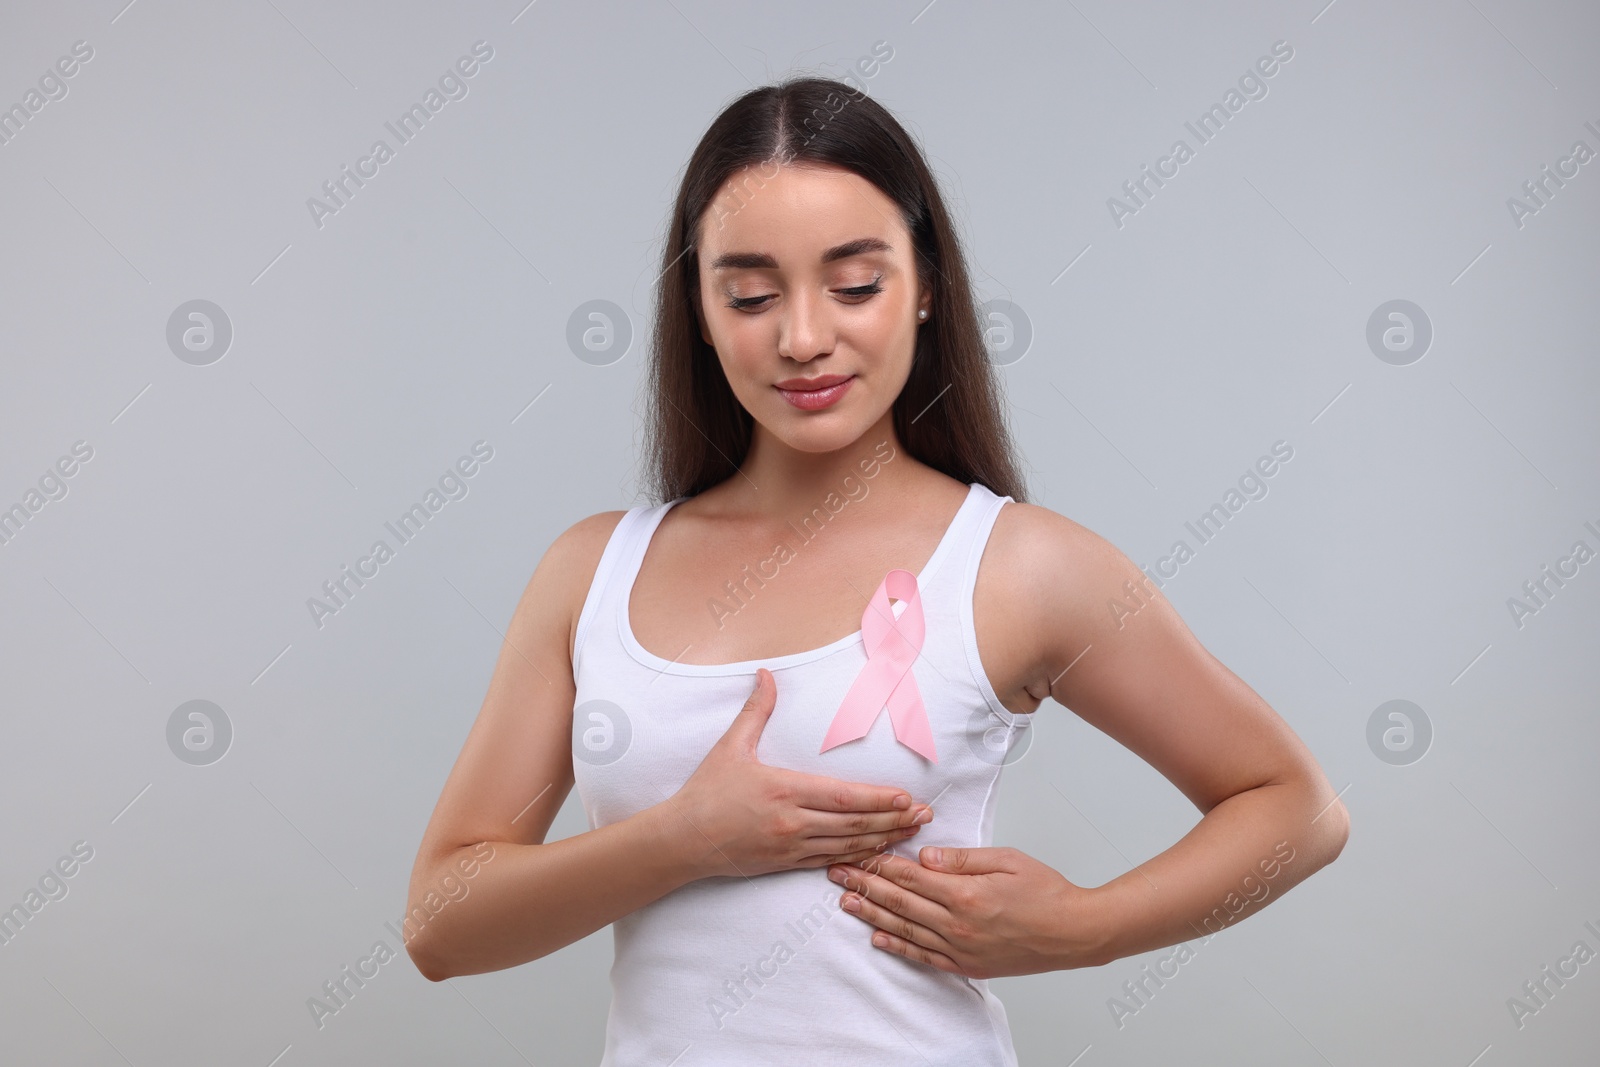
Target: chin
819 439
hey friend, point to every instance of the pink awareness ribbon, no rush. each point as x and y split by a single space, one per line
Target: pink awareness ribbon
886 678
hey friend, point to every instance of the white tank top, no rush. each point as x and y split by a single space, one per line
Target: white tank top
729 971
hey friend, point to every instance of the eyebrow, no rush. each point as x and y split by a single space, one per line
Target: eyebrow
763 261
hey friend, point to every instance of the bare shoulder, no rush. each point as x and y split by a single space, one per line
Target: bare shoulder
1041 556
522 736
567 570
585 540
1043 594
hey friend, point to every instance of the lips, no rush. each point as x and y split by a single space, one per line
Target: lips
822 381
813 394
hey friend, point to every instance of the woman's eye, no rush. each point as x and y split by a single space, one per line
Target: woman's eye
742 303
864 290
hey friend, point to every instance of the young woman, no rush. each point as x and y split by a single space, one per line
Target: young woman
789 687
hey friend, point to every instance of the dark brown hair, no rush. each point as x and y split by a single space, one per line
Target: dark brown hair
698 432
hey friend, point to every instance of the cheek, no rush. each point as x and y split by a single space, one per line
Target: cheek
743 364
740 336
880 335
892 349
740 350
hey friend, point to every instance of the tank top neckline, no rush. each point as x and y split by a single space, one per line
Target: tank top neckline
772 663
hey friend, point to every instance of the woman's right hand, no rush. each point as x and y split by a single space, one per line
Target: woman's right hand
746 818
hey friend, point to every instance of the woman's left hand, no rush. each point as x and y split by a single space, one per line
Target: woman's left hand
977 912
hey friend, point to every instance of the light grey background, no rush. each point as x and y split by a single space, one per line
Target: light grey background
1169 353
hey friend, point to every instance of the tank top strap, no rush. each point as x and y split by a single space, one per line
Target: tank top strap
621 559
951 580
957 572
964 584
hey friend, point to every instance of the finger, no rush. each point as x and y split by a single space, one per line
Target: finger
887 917
747 726
912 951
845 824
969 860
887 894
910 875
828 859
834 794
860 843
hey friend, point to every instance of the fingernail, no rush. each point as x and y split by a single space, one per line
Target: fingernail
925 815
936 855
902 801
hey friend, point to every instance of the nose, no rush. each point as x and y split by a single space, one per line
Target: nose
805 329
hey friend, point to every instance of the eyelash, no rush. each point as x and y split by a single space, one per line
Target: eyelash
872 288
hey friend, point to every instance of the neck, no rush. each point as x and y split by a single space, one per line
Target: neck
777 482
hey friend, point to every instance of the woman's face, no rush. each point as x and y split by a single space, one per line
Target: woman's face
804 273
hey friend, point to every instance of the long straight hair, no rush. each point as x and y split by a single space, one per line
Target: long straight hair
949 413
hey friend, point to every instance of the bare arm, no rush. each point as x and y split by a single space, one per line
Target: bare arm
528 898
488 893
1270 818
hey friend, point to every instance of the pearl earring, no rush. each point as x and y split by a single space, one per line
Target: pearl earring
922 314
